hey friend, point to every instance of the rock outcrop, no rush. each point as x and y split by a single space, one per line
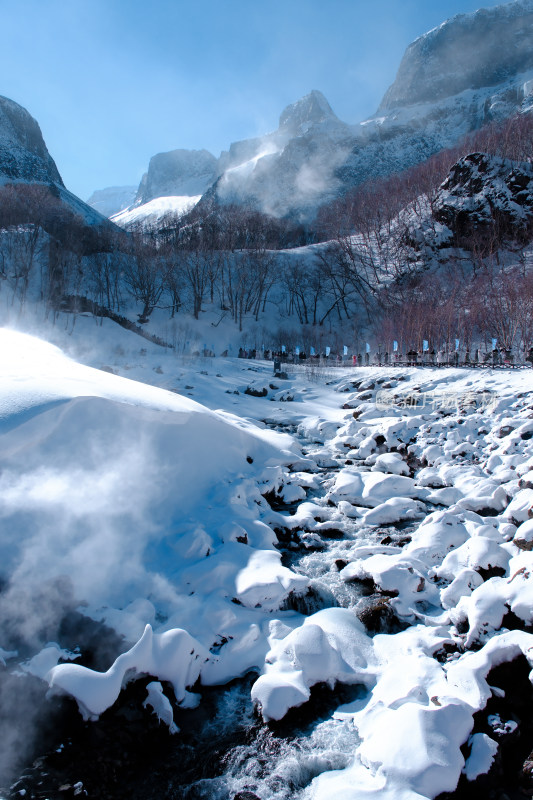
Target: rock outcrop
469 51
23 153
178 173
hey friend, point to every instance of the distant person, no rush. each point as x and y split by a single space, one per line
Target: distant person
412 356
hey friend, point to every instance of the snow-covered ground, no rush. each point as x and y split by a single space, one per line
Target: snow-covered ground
349 526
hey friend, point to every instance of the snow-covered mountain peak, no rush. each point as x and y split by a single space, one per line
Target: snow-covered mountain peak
468 51
313 108
178 173
470 71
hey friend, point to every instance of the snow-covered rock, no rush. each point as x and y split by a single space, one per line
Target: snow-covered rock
372 488
330 646
174 656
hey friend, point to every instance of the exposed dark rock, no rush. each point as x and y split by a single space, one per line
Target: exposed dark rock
340 563
310 602
331 533
377 616
23 153
508 719
485 195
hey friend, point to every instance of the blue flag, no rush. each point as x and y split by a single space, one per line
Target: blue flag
425 346
297 351
395 346
367 348
457 344
328 351
313 351
345 350
494 343
282 348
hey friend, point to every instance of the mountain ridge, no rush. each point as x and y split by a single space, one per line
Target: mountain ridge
314 157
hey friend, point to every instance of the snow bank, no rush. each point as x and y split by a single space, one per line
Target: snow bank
119 492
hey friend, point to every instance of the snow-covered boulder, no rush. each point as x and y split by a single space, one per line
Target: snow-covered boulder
330 646
372 488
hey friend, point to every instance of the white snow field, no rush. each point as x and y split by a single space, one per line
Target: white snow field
148 505
154 212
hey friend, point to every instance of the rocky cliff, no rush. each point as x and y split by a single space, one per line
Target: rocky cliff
469 51
23 153
181 173
470 71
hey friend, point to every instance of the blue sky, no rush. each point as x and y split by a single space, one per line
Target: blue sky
112 82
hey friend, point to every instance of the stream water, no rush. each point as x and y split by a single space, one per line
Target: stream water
224 751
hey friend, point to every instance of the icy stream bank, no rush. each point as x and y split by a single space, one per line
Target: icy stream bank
374 572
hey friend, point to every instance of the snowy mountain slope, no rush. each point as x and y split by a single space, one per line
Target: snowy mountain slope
154 213
24 159
23 153
112 200
292 169
406 136
171 187
90 215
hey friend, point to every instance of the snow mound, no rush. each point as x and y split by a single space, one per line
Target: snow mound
115 491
